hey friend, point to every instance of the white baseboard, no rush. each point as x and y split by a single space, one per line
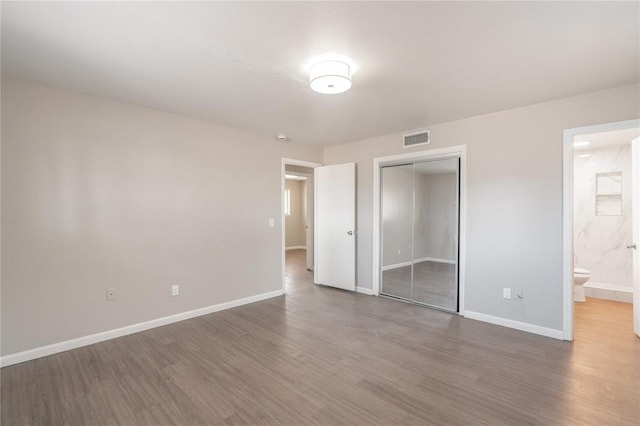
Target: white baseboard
422 259
364 290
295 247
617 293
434 259
129 329
518 325
608 286
396 266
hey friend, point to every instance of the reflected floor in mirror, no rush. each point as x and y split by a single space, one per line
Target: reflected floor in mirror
434 283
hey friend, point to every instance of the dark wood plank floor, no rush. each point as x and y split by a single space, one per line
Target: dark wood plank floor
326 356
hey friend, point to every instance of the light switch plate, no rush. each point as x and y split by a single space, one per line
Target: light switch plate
506 293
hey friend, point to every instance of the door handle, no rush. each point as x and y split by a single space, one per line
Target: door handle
632 246
349 232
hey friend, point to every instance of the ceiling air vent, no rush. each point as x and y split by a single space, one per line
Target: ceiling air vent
420 138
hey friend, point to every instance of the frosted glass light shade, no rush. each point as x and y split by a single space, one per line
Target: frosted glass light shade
330 77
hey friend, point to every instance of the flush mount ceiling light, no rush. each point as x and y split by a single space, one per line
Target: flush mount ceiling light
330 77
581 143
584 155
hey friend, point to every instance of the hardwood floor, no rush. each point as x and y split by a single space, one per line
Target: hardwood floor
325 356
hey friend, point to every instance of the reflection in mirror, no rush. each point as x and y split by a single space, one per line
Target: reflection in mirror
397 217
435 234
419 235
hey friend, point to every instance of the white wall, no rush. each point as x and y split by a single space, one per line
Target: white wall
514 198
295 223
99 194
599 241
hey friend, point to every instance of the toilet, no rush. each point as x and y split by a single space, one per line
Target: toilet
580 276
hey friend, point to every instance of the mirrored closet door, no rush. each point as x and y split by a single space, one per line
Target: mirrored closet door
420 221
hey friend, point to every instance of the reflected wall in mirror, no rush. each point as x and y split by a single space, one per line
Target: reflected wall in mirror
397 216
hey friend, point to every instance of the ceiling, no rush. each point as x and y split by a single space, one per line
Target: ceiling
242 64
607 139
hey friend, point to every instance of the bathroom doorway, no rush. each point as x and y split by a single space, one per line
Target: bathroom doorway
603 218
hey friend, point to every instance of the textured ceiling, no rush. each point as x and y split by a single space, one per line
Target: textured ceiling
242 64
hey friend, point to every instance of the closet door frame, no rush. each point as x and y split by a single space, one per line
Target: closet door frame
459 151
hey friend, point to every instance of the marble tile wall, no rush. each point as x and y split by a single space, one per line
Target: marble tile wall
599 240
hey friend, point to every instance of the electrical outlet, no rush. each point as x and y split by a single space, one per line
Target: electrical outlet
175 290
111 294
506 293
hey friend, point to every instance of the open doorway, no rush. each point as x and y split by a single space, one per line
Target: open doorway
603 218
297 223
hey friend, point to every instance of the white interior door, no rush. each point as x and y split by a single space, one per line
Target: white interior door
335 226
635 167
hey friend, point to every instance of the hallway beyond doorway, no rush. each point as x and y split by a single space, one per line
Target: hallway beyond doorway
298 277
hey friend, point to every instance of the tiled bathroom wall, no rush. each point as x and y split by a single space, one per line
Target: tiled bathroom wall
600 239
602 220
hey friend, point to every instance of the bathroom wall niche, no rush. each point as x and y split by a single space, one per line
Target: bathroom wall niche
609 194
